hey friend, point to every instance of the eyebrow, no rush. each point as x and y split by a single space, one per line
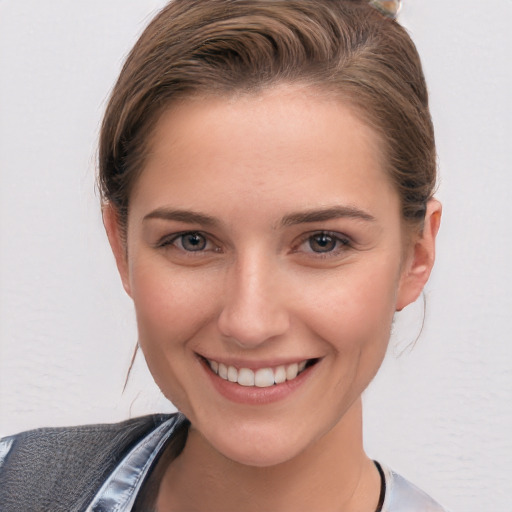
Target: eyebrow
187 216
321 215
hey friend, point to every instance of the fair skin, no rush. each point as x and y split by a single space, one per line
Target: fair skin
263 232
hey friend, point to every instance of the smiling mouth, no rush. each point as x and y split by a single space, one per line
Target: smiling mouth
262 377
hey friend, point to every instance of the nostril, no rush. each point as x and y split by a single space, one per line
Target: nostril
252 326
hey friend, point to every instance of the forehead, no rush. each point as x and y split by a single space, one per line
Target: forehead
289 145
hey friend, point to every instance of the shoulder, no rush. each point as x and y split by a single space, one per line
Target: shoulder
54 467
403 496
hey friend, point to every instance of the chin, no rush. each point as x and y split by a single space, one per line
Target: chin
260 454
258 444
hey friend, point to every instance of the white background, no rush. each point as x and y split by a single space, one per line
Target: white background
441 414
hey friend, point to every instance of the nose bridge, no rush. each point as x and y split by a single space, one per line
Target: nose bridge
253 307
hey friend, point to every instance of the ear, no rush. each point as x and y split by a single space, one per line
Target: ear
420 259
117 244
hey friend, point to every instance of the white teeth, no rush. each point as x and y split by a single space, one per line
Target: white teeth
280 375
223 371
245 377
291 371
262 378
232 374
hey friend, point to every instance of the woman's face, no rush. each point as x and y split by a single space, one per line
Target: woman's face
264 239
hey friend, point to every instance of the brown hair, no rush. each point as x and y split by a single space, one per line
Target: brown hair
226 46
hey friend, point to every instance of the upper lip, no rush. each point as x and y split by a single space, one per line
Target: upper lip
256 364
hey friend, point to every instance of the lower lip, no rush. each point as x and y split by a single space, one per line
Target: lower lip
254 395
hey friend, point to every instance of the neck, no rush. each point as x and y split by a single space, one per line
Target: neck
332 474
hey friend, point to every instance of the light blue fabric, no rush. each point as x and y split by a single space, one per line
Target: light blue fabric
119 492
5 446
402 496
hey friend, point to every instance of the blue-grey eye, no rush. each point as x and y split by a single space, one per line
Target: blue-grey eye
322 242
193 242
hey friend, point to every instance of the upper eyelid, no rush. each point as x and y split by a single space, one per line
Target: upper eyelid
334 234
170 238
345 243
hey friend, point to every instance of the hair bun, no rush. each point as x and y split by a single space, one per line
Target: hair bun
389 8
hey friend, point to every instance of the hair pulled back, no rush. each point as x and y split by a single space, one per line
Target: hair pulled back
222 47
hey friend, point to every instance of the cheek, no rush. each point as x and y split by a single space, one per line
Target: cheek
354 317
354 310
170 308
168 304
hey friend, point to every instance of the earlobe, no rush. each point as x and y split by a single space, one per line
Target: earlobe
421 260
117 244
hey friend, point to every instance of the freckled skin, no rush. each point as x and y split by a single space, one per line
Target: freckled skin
259 289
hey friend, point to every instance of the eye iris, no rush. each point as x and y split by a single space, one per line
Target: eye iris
193 242
322 243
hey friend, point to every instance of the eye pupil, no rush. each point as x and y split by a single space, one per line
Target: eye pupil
193 242
322 243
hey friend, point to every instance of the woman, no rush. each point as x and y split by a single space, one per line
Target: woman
267 171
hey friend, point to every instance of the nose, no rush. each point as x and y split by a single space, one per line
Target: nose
254 309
